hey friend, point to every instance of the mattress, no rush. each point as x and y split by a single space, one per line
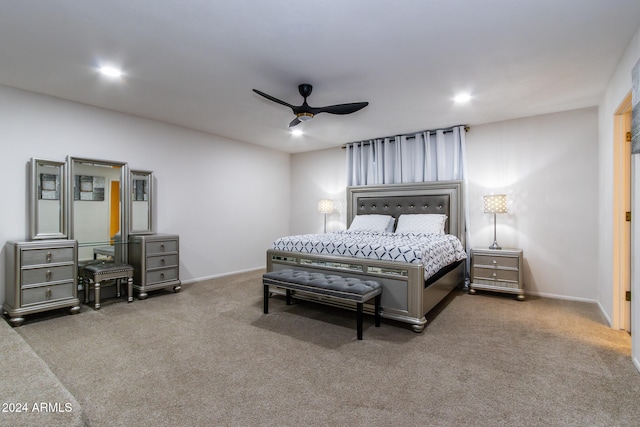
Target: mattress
433 251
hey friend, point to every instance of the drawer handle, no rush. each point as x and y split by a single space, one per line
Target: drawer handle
495 275
48 275
162 275
161 261
162 247
48 293
49 256
494 262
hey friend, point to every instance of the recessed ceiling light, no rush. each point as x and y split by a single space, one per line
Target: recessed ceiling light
296 132
110 72
462 98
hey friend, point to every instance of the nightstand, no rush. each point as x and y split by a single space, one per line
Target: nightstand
40 276
155 259
498 270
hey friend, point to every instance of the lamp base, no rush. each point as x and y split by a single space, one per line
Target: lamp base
495 246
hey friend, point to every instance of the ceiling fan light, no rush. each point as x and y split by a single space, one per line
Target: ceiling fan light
462 98
110 72
303 117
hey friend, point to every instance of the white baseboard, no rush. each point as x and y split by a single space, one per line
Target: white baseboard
228 273
636 363
555 296
606 316
568 298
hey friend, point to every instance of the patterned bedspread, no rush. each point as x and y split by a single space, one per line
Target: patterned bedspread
434 251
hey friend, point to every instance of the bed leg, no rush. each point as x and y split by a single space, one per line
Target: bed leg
377 312
359 320
266 299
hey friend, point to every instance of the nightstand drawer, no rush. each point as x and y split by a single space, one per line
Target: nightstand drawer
162 275
495 274
46 293
496 261
46 256
159 246
32 276
160 261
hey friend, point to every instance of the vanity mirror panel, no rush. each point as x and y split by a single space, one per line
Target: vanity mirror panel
47 204
98 212
141 203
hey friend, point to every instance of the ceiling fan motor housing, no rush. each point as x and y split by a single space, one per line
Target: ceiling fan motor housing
305 89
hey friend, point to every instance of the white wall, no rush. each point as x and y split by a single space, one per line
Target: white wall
226 199
315 176
617 89
548 167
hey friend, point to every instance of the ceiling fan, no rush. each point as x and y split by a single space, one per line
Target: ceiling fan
305 112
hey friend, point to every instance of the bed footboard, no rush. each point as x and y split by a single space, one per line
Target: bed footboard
404 296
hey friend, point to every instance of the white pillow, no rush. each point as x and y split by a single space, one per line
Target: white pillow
372 223
421 223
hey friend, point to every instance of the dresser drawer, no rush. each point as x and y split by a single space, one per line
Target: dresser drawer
47 293
160 246
496 261
159 261
31 276
495 274
46 256
161 275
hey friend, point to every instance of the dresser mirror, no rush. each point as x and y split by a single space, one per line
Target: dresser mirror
141 208
98 213
47 205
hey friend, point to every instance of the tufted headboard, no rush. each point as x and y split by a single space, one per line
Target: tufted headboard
441 197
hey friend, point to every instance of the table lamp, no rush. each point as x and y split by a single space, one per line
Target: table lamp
495 204
325 206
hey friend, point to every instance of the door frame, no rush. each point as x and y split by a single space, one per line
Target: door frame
621 204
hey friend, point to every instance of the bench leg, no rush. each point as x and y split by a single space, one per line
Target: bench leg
96 292
266 299
130 289
377 312
359 320
85 287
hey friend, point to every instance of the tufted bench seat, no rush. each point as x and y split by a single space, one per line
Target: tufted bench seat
346 288
95 272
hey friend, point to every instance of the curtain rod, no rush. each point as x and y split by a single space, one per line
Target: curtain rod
412 134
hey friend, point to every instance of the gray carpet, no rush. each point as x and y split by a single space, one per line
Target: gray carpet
28 387
209 356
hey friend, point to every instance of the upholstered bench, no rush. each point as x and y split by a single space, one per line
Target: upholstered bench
94 272
345 288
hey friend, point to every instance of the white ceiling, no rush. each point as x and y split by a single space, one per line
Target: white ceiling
194 63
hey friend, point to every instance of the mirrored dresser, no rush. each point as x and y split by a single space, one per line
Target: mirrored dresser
40 276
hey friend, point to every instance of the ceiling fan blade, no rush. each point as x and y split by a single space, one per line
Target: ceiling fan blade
294 122
271 98
340 108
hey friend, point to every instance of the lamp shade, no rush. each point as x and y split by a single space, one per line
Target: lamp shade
325 206
495 203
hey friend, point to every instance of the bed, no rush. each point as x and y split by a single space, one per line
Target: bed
411 287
